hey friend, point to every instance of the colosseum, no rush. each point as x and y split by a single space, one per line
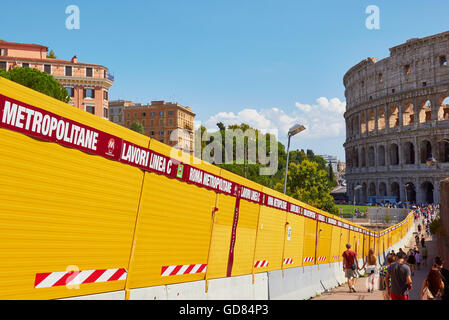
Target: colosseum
397 123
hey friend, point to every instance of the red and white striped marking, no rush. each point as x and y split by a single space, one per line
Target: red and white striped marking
64 278
261 264
288 261
321 258
309 259
167 271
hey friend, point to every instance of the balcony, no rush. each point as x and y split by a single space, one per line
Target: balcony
111 77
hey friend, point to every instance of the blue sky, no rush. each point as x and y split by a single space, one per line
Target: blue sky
266 62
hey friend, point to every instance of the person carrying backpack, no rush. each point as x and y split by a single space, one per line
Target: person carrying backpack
411 261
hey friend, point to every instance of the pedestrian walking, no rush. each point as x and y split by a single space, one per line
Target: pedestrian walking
371 269
419 228
444 276
417 240
424 255
418 258
383 284
411 261
350 266
401 281
432 287
423 241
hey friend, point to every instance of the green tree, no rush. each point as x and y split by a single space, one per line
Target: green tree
51 55
137 126
37 80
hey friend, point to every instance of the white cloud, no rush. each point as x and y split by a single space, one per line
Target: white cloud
324 119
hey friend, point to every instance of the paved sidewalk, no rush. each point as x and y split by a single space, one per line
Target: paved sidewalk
342 292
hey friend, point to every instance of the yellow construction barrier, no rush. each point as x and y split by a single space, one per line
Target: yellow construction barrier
88 207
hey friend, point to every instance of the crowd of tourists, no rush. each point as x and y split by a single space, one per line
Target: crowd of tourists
395 277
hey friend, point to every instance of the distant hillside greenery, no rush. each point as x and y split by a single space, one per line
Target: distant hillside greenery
310 179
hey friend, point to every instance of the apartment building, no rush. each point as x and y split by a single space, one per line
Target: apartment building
88 84
168 122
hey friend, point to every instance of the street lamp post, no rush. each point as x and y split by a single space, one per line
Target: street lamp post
294 130
358 187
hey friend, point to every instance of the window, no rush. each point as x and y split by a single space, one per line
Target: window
161 122
161 133
105 112
25 65
68 71
89 93
71 91
424 84
170 113
407 69
170 121
393 90
144 115
128 116
90 109
89 72
3 52
105 95
105 75
152 114
381 78
47 68
161 113
135 115
443 61
152 133
3 65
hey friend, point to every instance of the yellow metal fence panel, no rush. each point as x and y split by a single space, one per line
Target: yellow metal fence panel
324 242
62 209
294 243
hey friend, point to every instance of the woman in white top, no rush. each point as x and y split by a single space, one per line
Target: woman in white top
371 268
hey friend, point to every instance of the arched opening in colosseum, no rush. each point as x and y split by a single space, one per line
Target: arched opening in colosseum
358 196
426 151
443 109
382 189
393 120
395 190
409 153
362 123
443 150
363 157
349 128
371 121
425 113
372 190
381 122
356 124
371 157
408 115
394 154
364 192
427 192
355 160
410 191
381 156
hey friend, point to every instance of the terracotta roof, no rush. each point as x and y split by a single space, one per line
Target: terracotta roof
16 44
49 60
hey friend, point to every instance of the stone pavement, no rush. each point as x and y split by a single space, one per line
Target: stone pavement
342 292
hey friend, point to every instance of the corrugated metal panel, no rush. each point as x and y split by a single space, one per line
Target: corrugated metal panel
270 236
246 231
309 241
173 228
62 207
295 245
